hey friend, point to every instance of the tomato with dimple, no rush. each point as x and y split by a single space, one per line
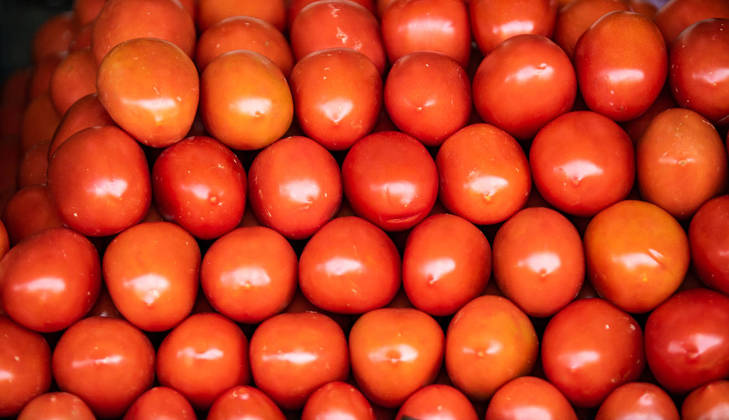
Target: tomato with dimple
676 15
210 12
337 399
637 400
160 403
106 362
577 16
244 402
74 78
494 21
292 355
56 406
84 113
709 240
440 402
54 36
708 402
528 396
29 211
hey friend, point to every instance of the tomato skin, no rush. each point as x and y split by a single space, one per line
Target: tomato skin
707 402
582 162
244 403
446 264
698 57
337 399
74 78
201 185
428 95
15 88
25 360
676 335
84 113
708 240
40 82
106 362
577 16
437 402
210 12
203 342
40 121
50 280
635 400
86 11
34 166
484 174
394 352
489 342
4 240
637 127
29 211
54 36
584 359
56 406
528 394
676 15
494 21
292 355
294 7
160 403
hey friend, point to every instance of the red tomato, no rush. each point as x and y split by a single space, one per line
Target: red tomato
621 65
490 341
590 348
582 163
34 165
123 20
337 95
25 363
708 402
538 261
577 16
50 280
709 239
244 402
54 36
99 181
686 340
484 174
86 11
529 397
150 88
29 211
337 24
644 7
428 95
106 362
294 7
699 62
440 402
676 15
494 21
244 33
161 403
201 185
210 12
292 355
390 179
74 78
447 263
40 82
249 274
637 400
4 241
523 84
337 400
82 38
208 343
84 113
40 121
395 352
56 406
248 115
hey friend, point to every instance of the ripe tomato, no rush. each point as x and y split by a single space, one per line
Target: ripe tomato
709 239
210 12
34 165
636 400
294 7
637 127
84 113
40 121
244 402
710 401
106 362
441 402
529 396
4 240
484 174
577 16
337 400
86 11
29 211
292 355
74 78
160 403
490 341
25 363
676 15
685 340
54 36
40 82
494 21
57 406
204 342
590 348
82 38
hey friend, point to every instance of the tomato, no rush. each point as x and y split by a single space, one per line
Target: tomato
337 24
533 71
123 20
4 241
709 240
248 115
441 402
292 355
54 36
676 15
99 181
644 7
538 261
489 342
210 12
40 82
161 403
582 163
494 21
137 87
685 340
590 348
244 33
34 165
56 406
201 185
86 11
40 121
84 113
428 95
82 38
710 401
74 78
25 363
204 342
337 95
395 352
294 7
244 402
447 263
337 400
699 62
10 155
484 174
390 179
527 397
636 400
577 16
29 211
637 127
106 362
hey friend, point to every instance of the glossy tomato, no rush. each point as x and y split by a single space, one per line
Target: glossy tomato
494 21
710 401
161 403
709 240
441 402
56 406
636 400
527 397
74 78
244 402
577 16
676 15
210 12
337 399
29 211
84 113
294 7
87 11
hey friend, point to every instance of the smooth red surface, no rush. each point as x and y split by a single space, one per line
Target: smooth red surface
34 165
56 406
4 240
637 400
710 401
84 113
40 121
676 15
74 78
494 21
40 81
293 7
335 400
577 16
709 240
53 36
29 211
529 397
161 403
244 402
441 402
86 11
210 12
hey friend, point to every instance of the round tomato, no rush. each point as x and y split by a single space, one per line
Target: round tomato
54 35
710 401
494 21
440 402
676 15
577 16
56 406
244 402
335 400
74 78
87 11
161 403
84 113
29 211
529 396
709 240
210 12
40 121
637 400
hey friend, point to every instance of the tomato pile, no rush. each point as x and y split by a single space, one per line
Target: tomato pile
334 209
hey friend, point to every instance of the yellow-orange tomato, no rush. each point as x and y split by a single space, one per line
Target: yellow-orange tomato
210 12
74 78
